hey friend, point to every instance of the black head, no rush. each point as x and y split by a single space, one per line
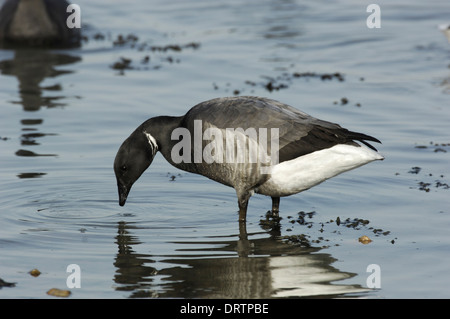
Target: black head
134 156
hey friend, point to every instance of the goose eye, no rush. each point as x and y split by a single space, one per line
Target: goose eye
123 168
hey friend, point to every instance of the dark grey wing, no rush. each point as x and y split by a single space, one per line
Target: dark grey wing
321 137
299 133
246 112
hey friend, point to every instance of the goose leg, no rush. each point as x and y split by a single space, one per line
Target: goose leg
243 197
275 205
243 209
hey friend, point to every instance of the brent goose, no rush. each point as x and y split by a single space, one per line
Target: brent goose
37 23
301 152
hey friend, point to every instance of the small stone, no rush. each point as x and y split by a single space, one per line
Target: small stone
34 272
58 292
364 240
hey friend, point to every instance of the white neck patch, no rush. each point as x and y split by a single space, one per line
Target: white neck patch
152 142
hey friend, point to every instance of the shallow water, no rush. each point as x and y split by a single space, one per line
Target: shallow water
64 113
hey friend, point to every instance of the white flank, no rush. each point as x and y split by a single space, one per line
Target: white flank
302 173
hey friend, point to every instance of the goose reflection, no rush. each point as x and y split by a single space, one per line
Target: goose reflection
31 67
37 23
240 268
132 272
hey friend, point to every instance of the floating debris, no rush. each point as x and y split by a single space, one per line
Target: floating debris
303 215
35 272
284 80
31 175
122 64
127 64
145 59
355 223
426 185
323 76
316 232
270 86
438 147
415 170
30 153
6 284
58 292
99 36
172 176
123 40
364 240
301 240
443 185
345 101
175 47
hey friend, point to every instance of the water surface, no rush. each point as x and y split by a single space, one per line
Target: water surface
64 113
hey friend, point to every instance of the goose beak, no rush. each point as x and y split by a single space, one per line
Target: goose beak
123 193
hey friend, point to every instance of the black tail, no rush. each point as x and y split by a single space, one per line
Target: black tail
360 137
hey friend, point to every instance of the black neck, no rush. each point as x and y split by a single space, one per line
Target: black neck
161 129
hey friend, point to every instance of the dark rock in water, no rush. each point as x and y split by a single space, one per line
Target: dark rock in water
122 64
6 284
37 23
344 100
415 170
